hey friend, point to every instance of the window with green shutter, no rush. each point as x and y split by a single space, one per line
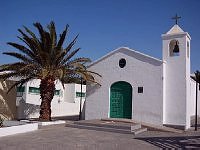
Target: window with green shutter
20 89
34 90
57 92
79 94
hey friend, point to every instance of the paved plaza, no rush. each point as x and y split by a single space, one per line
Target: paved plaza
60 137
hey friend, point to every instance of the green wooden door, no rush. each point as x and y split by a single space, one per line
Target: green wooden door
121 100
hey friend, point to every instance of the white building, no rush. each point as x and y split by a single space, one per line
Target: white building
66 101
143 88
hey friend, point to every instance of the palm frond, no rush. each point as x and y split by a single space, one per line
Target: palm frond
11 67
53 35
8 75
23 49
62 38
68 48
79 60
68 57
32 43
18 56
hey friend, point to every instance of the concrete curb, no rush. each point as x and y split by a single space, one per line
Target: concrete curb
18 129
51 123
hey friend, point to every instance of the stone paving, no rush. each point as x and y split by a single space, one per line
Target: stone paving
59 137
65 138
166 140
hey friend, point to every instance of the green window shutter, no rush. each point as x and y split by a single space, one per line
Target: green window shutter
34 90
20 89
57 92
79 94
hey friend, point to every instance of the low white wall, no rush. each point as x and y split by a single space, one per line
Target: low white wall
57 110
18 129
47 123
192 102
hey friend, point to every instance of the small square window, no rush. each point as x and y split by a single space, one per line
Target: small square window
140 89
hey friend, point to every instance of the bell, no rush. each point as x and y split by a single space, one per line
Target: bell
176 48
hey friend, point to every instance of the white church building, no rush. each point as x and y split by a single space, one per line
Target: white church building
143 88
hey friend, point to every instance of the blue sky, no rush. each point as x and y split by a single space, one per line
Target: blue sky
104 25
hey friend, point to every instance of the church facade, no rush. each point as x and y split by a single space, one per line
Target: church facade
143 88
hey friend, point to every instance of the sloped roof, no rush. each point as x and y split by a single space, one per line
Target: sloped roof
175 29
175 32
125 50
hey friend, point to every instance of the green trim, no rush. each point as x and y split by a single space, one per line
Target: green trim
20 89
79 94
57 92
35 90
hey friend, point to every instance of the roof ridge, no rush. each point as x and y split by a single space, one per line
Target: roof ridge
120 49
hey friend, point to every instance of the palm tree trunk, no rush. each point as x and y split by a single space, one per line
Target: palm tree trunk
47 88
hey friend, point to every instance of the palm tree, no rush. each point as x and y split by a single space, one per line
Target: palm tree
43 57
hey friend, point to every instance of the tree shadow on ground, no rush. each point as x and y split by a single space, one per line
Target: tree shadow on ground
181 142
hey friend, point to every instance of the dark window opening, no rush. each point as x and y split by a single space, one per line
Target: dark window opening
188 49
174 48
122 63
20 89
140 89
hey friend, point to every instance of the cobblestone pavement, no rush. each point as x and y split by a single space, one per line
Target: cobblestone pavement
66 138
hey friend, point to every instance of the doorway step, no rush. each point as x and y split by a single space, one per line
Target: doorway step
108 126
149 126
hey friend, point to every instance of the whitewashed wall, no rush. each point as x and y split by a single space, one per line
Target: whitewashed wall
177 81
65 104
140 70
192 102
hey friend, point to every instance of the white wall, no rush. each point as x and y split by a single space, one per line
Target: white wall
139 71
33 98
192 102
70 89
65 104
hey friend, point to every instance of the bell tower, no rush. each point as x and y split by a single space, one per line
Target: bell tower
176 76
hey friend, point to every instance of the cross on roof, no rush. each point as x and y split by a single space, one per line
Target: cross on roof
176 18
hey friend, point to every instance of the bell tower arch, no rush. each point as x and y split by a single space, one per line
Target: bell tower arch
176 76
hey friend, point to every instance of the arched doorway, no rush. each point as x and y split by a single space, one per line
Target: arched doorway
121 100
